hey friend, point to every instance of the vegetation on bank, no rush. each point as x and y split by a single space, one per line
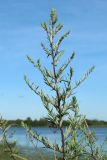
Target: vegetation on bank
44 123
27 153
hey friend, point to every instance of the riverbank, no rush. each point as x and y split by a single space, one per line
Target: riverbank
28 153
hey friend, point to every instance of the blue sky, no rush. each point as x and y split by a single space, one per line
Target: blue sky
21 34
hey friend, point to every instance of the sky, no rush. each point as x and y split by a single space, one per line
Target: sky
21 35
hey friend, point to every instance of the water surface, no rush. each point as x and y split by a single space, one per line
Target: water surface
23 140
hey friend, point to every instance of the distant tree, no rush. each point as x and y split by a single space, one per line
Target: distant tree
28 121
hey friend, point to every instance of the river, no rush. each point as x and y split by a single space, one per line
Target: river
20 135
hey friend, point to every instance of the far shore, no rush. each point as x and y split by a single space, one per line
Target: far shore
44 123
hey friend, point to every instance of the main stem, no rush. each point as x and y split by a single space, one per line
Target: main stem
61 129
63 149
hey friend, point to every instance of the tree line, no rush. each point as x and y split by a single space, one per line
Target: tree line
42 122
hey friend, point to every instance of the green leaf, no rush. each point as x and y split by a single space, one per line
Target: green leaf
58 56
38 64
58 28
45 27
83 78
61 39
46 50
30 59
65 65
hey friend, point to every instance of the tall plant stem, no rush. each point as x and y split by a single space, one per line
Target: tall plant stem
63 148
58 97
